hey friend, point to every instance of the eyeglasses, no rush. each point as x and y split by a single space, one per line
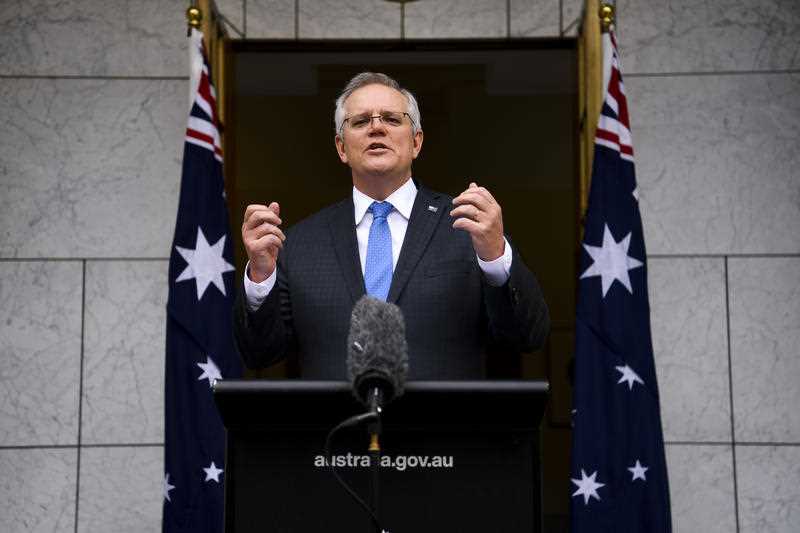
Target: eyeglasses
391 119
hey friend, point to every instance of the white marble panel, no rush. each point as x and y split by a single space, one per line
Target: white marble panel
701 36
571 13
270 19
40 350
701 488
453 19
90 167
233 11
687 313
535 18
348 19
717 162
123 369
765 335
769 493
37 488
93 38
121 489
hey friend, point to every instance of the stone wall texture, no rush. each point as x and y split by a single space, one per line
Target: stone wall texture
93 96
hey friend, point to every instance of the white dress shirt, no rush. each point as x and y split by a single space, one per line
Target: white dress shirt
497 272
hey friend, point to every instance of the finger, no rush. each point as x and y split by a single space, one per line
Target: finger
276 208
252 213
267 241
467 211
265 229
483 191
472 185
472 196
470 226
259 217
253 207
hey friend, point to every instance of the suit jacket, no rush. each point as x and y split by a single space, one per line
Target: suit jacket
451 312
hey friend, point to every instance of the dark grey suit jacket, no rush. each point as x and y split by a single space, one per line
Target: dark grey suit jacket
451 312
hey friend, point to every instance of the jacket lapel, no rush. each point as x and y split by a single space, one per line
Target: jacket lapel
343 233
420 229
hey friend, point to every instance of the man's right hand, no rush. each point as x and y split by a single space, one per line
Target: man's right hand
263 239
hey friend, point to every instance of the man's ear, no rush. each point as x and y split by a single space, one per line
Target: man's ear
416 145
340 148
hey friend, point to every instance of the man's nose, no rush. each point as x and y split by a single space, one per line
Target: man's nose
376 124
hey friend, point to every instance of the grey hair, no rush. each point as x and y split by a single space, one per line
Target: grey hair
371 78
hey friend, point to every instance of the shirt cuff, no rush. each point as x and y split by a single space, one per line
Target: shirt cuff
497 271
257 292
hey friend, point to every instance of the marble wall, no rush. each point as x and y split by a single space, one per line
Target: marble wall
94 93
93 97
714 92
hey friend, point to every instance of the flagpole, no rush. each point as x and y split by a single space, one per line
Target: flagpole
592 84
590 62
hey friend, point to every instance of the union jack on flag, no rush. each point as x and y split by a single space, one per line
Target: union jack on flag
199 347
618 471
614 125
202 128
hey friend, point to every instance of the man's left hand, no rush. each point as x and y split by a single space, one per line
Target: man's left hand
478 213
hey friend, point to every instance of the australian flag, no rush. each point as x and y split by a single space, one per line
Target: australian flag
200 346
618 470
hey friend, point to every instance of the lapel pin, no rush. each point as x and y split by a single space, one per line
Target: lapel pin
432 209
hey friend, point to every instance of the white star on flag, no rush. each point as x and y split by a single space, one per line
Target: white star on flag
205 264
587 487
166 487
638 471
628 375
210 371
212 472
611 261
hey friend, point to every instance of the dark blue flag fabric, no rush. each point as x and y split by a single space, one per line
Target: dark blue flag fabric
618 470
200 347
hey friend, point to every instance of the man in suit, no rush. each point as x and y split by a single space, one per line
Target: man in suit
444 261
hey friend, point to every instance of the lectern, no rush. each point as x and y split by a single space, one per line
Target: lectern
458 456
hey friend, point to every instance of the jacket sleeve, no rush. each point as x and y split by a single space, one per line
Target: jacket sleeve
517 313
265 336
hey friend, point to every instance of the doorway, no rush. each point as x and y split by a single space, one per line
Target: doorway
501 113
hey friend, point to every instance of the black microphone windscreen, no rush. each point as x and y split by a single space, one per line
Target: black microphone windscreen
377 347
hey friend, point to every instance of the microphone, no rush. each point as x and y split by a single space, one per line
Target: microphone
377 352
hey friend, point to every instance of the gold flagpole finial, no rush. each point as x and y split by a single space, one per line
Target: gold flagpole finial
194 16
607 13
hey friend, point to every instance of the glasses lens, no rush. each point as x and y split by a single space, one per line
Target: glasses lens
359 121
392 118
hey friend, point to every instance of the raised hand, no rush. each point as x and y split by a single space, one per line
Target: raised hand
478 213
263 239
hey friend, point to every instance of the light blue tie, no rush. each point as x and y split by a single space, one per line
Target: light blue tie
378 267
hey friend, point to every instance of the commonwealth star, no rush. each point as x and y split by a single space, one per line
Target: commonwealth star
205 264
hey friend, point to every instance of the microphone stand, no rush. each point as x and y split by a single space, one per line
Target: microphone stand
374 430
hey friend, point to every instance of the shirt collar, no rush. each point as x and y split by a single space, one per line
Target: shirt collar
402 199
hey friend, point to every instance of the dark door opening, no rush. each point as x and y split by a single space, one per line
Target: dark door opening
501 113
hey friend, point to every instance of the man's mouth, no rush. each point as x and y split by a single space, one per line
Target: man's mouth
377 147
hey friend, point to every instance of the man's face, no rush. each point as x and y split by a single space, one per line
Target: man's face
378 149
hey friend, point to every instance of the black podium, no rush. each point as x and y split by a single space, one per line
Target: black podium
458 456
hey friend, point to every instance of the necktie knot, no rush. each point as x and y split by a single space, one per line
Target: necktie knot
380 210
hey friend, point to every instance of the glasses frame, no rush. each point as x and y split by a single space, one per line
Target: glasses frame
373 117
